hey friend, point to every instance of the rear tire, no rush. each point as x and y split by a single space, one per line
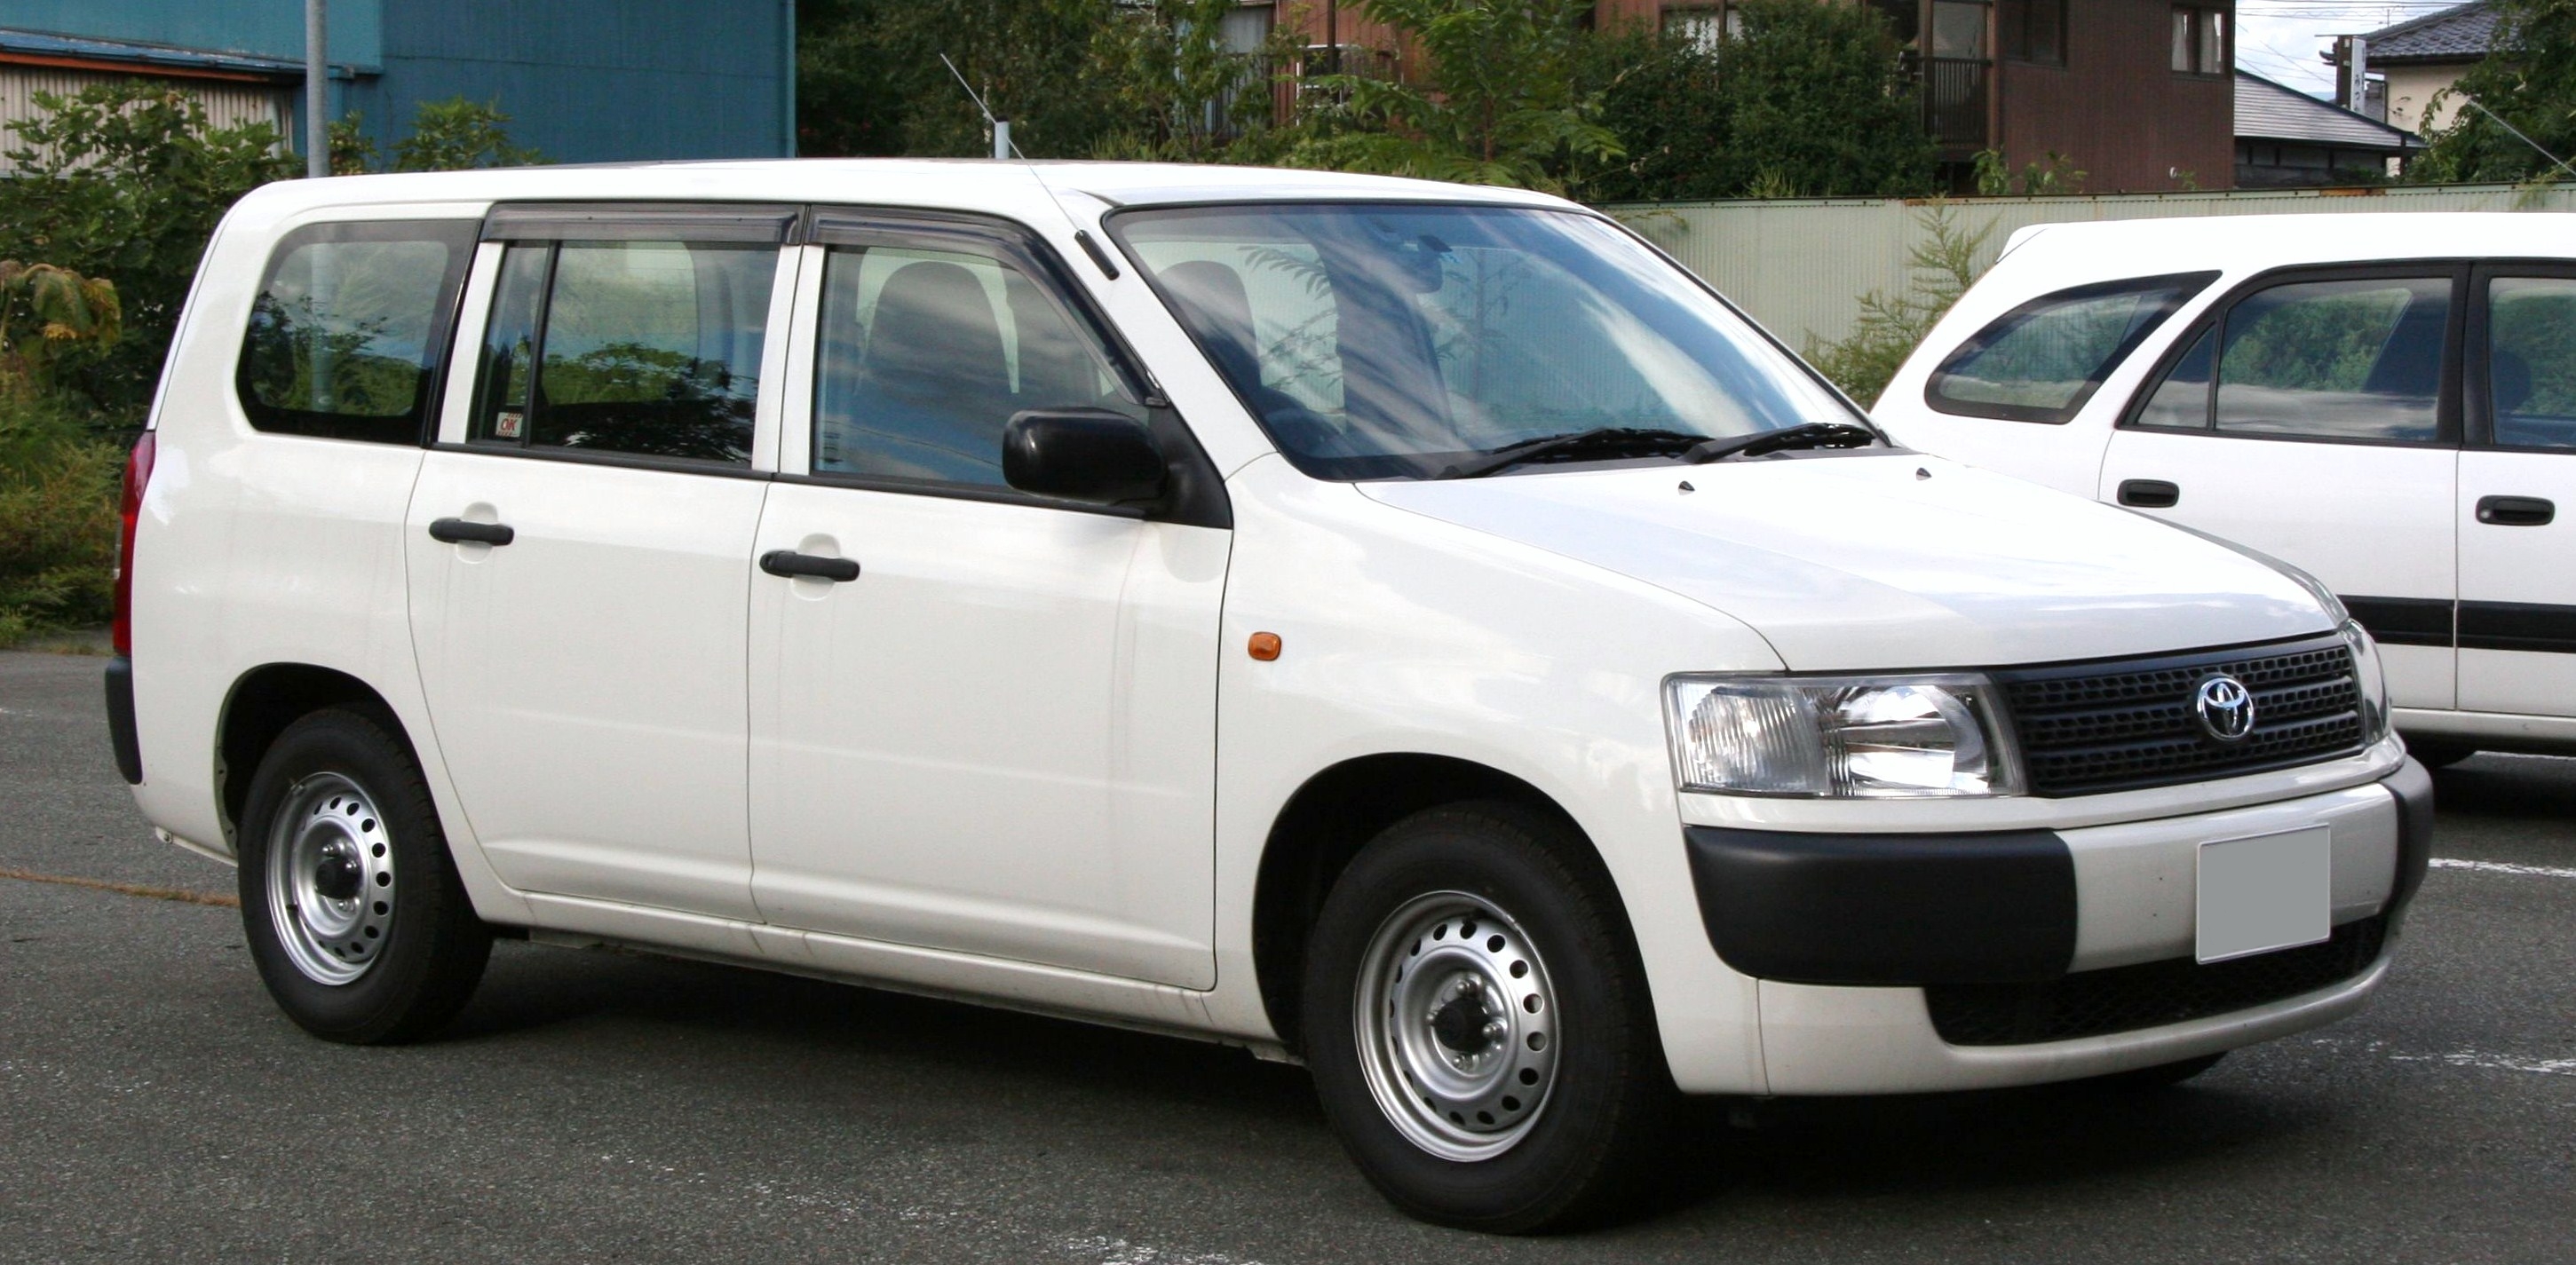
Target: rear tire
351 904
1477 1022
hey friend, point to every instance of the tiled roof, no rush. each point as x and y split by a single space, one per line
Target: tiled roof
2268 111
2461 33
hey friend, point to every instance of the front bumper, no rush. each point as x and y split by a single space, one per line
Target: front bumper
2047 954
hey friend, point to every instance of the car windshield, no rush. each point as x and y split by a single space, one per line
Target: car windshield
1398 340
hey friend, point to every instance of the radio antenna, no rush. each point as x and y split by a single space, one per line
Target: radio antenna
1003 145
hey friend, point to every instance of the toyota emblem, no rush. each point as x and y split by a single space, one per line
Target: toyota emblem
2225 708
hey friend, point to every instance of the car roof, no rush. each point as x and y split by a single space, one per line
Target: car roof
2241 244
957 183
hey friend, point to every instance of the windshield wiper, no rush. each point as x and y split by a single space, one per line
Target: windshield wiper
1810 435
1612 441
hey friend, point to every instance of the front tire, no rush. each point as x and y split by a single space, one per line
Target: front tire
351 905
1477 1022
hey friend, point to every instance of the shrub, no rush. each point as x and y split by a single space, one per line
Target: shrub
1945 263
127 180
58 522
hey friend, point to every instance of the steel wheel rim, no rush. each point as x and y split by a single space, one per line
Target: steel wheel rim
1456 1024
330 879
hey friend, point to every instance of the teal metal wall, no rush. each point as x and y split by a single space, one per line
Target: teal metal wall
582 80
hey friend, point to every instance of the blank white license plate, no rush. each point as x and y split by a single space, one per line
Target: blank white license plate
2265 893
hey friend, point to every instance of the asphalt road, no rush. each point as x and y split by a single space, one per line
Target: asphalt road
597 1106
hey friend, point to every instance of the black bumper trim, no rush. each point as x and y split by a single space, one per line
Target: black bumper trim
1993 908
2412 788
120 720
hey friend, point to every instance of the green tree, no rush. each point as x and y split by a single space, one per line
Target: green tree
126 180
1030 60
1179 92
1496 103
850 102
2529 80
1943 265
1817 102
47 313
1660 96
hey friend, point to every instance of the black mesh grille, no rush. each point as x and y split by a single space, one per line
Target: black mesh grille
2127 998
2119 726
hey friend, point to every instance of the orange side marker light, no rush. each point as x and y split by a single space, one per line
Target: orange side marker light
1263 646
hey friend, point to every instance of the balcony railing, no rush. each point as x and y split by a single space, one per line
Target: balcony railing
1954 101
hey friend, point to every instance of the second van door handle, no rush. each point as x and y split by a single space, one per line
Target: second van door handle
794 565
2150 494
2516 511
457 531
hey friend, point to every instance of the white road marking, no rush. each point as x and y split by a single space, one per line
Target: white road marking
2493 1062
2503 867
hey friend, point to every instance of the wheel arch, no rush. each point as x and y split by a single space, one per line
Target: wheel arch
262 703
1326 822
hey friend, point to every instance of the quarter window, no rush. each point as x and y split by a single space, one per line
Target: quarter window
2355 360
639 348
2043 360
345 337
2531 361
928 352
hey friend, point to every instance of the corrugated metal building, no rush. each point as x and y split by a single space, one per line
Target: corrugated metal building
582 80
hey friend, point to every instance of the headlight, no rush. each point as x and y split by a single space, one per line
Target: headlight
1844 737
2373 683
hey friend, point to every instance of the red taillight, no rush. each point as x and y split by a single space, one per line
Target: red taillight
138 473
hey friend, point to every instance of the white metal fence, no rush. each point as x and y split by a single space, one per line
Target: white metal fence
1800 267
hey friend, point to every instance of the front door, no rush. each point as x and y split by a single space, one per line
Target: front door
580 564
2517 504
981 722
2313 420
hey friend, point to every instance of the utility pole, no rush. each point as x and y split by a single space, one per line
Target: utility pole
317 89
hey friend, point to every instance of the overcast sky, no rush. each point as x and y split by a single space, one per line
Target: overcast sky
2281 39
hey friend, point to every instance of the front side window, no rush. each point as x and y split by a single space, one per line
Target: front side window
2043 360
345 337
2531 361
636 348
1393 341
2354 360
927 352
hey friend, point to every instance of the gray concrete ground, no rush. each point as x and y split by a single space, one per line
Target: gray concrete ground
596 1106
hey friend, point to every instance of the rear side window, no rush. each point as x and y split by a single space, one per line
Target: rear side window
347 333
2531 361
2353 360
2043 360
634 347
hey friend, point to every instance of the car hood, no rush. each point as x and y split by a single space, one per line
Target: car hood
1878 560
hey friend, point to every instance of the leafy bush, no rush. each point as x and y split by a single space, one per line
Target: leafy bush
58 524
1944 264
1818 104
126 180
451 135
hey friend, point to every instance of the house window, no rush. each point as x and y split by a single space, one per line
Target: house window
2033 30
1706 28
2199 40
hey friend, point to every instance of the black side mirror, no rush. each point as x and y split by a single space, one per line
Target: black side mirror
1082 454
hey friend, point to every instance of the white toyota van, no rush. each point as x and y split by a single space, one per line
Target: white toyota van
1416 630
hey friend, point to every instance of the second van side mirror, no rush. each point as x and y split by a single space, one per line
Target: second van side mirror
1082 454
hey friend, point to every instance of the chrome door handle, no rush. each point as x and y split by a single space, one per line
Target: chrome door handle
794 565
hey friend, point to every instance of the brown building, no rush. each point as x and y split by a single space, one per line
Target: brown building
2135 93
